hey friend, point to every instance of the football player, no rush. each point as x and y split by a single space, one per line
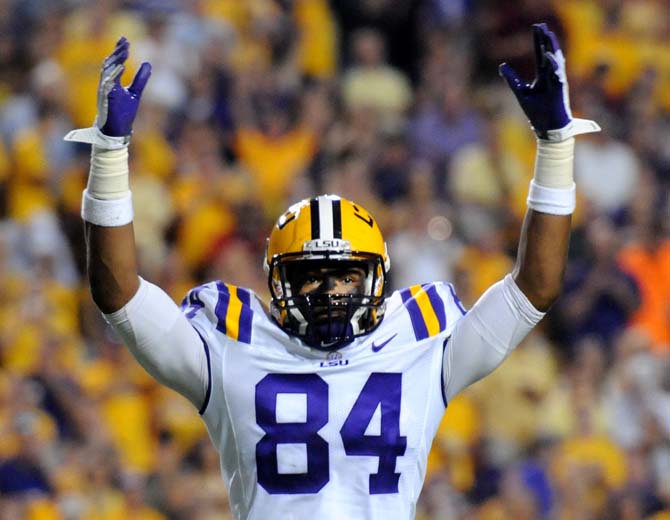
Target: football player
326 405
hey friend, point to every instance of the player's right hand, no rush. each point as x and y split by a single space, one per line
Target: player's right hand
117 105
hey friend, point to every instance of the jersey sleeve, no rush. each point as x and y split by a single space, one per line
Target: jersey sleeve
484 336
160 337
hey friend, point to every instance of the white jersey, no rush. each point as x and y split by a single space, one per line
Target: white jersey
303 433
330 435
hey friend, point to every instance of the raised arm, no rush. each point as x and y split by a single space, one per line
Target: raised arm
107 206
543 247
508 310
150 323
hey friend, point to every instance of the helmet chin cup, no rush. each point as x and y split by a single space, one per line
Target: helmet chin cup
328 321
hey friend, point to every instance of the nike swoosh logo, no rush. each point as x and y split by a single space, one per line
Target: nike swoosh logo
377 348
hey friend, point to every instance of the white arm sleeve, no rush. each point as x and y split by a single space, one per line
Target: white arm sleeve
163 341
487 334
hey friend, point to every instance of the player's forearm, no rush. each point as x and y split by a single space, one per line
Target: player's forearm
112 265
110 242
543 247
542 257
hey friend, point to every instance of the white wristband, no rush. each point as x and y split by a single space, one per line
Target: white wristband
107 213
555 201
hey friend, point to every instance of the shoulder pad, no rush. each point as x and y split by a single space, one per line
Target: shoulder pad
432 308
227 307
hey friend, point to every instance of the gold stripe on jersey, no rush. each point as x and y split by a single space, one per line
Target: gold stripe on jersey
233 314
427 310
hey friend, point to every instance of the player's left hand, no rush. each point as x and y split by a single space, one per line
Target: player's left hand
546 101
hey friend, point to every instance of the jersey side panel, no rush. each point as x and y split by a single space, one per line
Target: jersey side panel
223 315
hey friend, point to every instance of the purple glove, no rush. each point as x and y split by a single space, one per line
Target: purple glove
117 105
546 101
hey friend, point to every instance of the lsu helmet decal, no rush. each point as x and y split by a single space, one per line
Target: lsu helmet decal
326 232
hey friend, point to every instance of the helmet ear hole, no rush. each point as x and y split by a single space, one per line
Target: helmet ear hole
379 280
266 258
275 282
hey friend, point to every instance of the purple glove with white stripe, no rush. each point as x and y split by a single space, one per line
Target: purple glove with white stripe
117 105
545 101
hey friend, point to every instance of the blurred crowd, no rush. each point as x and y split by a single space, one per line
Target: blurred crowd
397 105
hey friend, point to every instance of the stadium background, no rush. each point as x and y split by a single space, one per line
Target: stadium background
393 103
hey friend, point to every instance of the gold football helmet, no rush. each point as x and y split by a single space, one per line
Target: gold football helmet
326 232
